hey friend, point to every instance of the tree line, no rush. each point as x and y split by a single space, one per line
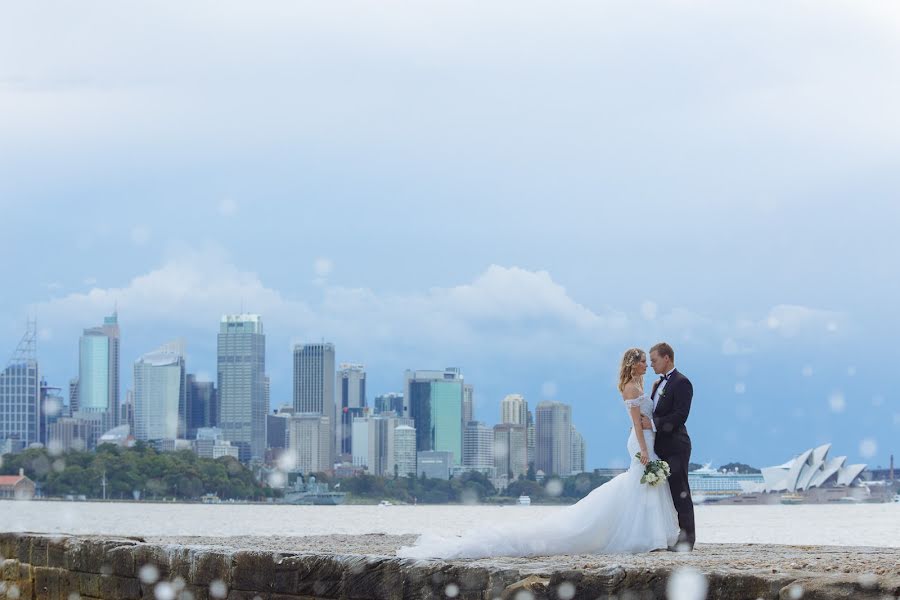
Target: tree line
139 472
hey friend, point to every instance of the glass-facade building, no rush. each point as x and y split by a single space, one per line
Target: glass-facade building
351 400
314 381
554 438
241 384
160 394
434 400
20 396
201 405
98 371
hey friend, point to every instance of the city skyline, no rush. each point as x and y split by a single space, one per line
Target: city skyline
495 418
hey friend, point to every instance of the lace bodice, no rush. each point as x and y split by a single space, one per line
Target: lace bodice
644 402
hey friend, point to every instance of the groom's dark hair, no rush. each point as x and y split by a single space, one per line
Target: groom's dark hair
663 349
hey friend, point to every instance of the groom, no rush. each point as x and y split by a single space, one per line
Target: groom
672 394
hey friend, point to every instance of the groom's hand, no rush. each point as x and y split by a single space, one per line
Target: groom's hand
645 422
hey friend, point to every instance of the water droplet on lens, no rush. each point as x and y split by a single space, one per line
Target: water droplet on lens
686 584
452 590
566 591
164 591
795 592
218 589
148 574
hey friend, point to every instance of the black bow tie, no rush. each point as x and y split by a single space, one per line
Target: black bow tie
663 378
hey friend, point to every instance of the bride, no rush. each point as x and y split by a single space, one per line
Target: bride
622 515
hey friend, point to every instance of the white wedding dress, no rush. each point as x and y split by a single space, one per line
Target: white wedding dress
622 515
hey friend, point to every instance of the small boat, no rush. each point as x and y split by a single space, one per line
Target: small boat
792 499
385 503
524 500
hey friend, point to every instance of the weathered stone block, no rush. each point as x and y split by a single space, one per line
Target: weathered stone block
114 587
318 576
253 570
208 566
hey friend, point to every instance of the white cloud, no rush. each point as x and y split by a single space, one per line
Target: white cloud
649 310
511 311
790 319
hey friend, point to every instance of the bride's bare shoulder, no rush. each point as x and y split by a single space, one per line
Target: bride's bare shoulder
631 391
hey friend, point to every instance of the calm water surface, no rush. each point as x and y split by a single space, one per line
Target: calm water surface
865 525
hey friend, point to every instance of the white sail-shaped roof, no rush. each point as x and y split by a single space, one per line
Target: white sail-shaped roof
811 469
847 475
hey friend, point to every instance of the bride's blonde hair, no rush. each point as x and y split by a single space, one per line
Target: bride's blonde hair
631 357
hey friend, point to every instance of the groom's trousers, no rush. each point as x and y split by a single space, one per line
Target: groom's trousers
681 494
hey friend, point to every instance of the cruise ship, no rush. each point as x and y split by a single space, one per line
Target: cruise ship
710 485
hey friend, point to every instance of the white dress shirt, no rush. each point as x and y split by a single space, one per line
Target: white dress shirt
659 391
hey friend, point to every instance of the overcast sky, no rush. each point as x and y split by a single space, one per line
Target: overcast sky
519 189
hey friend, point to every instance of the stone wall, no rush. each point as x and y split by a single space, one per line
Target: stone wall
47 567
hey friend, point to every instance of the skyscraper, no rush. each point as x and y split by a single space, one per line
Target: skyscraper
468 403
20 392
391 402
375 442
514 410
159 394
314 378
73 396
98 371
509 453
434 400
351 398
578 452
241 384
402 450
478 446
310 442
51 408
201 405
554 438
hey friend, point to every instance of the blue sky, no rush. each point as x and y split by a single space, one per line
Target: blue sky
522 190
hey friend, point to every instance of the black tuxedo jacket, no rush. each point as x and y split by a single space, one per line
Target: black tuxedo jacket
671 414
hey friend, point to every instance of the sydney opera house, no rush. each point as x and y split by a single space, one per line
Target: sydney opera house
810 477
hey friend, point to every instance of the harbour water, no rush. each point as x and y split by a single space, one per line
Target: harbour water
833 525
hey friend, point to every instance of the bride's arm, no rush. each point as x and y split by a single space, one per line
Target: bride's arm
634 410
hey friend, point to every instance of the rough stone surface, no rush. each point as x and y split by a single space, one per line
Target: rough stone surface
51 567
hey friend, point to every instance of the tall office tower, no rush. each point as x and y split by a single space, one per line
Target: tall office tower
310 442
468 403
159 394
277 429
434 400
402 450
392 402
514 410
554 438
20 392
241 384
382 442
509 453
267 385
73 396
98 371
351 399
360 441
51 408
478 446
126 411
578 452
314 377
200 405
530 439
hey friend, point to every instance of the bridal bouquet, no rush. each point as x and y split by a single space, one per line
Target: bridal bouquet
656 471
